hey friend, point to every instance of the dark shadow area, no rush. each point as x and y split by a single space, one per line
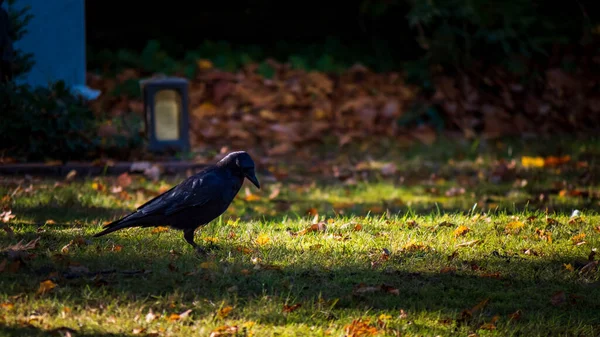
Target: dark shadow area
523 282
68 215
33 331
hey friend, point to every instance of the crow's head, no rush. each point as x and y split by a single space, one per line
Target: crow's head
241 163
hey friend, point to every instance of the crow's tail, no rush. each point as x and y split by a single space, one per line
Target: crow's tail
116 225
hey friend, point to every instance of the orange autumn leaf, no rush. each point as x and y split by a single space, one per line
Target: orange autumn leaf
46 286
360 328
7 306
224 312
160 229
578 239
555 161
491 325
461 230
177 317
291 308
224 330
515 316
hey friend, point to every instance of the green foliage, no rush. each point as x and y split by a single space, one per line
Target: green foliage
458 33
44 123
19 18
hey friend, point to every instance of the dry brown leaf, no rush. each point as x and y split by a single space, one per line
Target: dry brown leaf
515 316
124 180
558 298
6 216
291 308
491 325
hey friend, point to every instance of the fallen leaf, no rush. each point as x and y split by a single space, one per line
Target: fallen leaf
291 308
514 227
469 243
6 216
558 298
45 287
124 180
360 328
263 239
515 316
532 161
589 267
160 229
178 317
578 239
491 325
224 312
250 196
150 316
461 230
224 330
7 306
446 270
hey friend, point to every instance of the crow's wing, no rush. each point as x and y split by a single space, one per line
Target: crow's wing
195 191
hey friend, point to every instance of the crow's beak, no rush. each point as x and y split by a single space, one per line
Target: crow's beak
252 177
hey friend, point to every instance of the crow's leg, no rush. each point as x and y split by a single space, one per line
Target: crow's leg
188 235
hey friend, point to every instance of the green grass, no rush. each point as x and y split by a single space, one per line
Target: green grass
258 263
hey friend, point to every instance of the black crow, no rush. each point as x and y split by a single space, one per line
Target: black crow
196 201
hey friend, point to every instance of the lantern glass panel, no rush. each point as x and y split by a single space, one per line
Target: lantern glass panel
167 112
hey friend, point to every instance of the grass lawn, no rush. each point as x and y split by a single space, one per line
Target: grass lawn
401 246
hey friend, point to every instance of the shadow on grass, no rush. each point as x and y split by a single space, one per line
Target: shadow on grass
68 215
229 276
32 331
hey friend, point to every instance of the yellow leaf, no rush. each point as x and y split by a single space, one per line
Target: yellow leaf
46 286
224 312
568 266
532 161
204 64
211 239
461 230
263 239
385 317
514 227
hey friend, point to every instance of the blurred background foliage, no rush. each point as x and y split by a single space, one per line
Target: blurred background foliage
489 46
385 35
